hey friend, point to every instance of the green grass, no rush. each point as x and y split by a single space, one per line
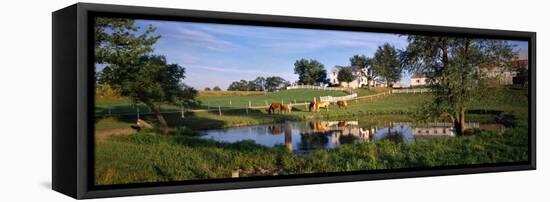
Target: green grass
224 99
390 104
503 100
285 96
370 91
150 157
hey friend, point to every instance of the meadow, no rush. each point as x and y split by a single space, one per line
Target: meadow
148 156
500 100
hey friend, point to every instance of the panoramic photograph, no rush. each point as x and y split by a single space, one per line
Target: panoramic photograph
182 101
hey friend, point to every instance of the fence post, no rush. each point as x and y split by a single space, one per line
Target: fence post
246 110
208 106
249 103
230 102
138 112
219 110
109 108
282 101
266 103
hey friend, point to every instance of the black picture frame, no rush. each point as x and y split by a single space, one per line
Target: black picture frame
73 93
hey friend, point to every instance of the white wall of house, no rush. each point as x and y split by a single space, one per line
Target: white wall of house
501 75
419 81
357 83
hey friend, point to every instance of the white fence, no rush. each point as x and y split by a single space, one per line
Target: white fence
347 90
413 90
334 99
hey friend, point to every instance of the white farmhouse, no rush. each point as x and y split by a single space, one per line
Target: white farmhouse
419 80
360 78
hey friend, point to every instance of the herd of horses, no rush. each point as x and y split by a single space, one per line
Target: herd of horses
314 106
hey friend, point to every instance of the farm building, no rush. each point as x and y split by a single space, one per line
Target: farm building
418 80
506 75
360 81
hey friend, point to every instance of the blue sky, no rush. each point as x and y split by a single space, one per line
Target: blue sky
216 54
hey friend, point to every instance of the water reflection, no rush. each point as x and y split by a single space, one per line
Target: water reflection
320 134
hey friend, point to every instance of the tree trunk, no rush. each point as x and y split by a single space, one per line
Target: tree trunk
459 123
160 118
462 123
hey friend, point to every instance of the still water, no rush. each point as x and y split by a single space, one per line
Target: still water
316 134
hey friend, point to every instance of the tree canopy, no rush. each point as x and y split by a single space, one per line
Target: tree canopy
241 85
129 65
259 84
452 66
310 72
345 75
274 83
364 63
386 63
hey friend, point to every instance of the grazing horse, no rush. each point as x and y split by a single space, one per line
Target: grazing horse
275 107
315 106
286 108
342 104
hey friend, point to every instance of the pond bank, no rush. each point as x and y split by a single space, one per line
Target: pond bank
141 157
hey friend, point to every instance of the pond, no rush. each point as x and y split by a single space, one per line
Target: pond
303 136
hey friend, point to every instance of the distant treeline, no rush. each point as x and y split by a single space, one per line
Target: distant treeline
271 83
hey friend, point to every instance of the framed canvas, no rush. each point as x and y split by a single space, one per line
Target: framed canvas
156 100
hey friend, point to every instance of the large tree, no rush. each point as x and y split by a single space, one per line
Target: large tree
452 67
257 84
241 85
345 75
310 72
387 64
274 82
126 54
365 63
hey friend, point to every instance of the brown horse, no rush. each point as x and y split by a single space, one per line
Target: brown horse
342 104
275 107
286 108
315 106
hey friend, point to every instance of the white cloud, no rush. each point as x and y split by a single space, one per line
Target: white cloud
189 36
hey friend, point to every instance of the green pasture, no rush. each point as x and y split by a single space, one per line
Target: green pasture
502 100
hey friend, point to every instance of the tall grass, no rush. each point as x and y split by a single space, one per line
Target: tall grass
151 157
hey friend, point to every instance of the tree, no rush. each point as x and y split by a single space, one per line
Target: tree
387 64
257 84
241 85
217 88
452 67
345 75
365 64
310 72
207 89
274 82
125 51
